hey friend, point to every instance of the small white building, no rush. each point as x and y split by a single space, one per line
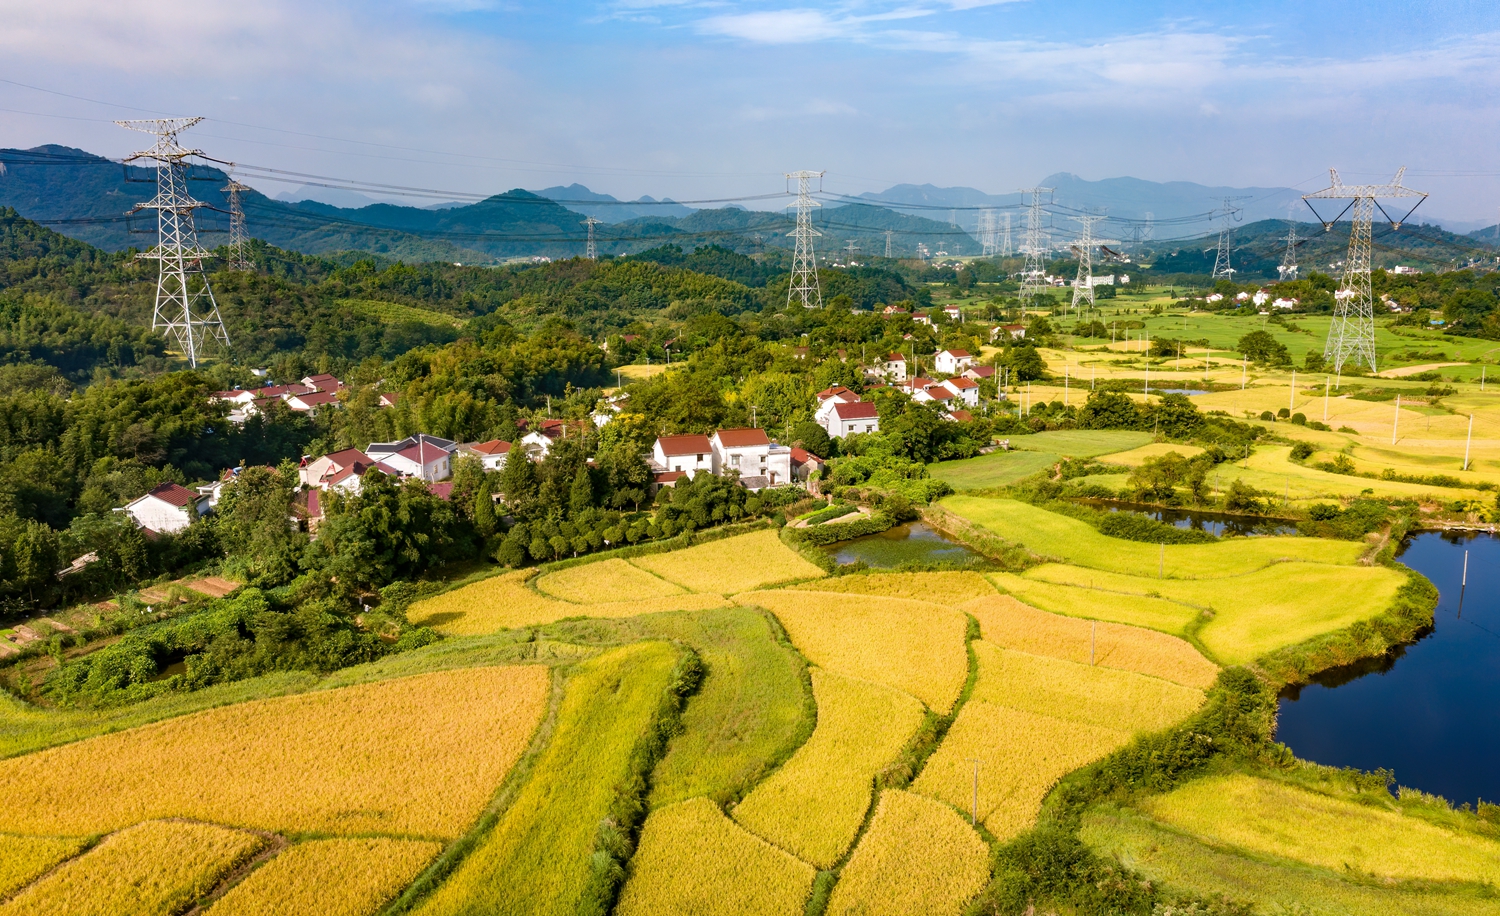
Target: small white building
965 389
683 454
844 419
895 367
1013 331
1286 303
491 454
749 453
953 312
167 509
952 362
425 457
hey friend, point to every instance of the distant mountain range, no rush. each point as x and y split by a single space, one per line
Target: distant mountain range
607 208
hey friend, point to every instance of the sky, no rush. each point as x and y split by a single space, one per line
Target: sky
716 99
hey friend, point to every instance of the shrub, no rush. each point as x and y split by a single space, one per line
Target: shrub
1300 419
1268 416
1302 451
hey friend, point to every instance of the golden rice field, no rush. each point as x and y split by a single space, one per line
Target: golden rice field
1259 612
694 861
505 601
24 858
912 646
145 870
537 858
331 761
605 581
951 588
1271 469
813 806
1271 818
1080 693
344 877
732 565
1139 456
1009 623
919 858
1135 610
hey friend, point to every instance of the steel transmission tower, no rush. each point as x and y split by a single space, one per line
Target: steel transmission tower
1353 330
1033 276
185 307
988 234
888 243
804 284
237 234
1083 284
592 251
1005 249
1222 269
1287 270
1150 232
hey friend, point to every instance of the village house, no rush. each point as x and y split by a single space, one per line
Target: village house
804 463
952 362
891 311
310 401
836 393
422 456
979 373
491 454
167 509
953 312
844 419
341 470
895 367
922 318
751 454
1014 331
683 455
965 389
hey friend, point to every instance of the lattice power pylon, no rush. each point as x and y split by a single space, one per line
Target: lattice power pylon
1231 215
185 307
988 234
888 234
1005 249
237 235
1034 275
804 285
1353 330
1083 284
1287 269
592 250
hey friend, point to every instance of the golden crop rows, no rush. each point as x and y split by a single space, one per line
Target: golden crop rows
344 877
910 645
1086 601
918 858
732 565
950 588
151 868
814 805
23 858
1009 623
333 761
605 581
694 861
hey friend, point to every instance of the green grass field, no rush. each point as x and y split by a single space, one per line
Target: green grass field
1030 454
1137 610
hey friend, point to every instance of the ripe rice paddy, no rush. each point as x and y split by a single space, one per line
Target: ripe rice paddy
813 806
694 861
732 565
537 859
950 588
1271 818
918 858
909 645
606 581
332 761
345 877
145 870
24 858
1134 610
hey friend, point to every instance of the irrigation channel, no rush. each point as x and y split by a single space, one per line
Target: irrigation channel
915 542
1430 711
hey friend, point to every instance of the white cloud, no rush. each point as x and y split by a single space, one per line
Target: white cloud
779 26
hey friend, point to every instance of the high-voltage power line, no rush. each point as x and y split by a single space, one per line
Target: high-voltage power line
804 283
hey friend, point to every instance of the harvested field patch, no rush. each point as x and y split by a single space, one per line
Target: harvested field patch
24 858
352 877
538 858
1007 622
1135 610
1021 756
918 858
606 581
1271 818
146 870
1080 692
912 646
694 861
814 805
731 565
332 761
950 588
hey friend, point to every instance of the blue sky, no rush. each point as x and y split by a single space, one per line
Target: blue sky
715 98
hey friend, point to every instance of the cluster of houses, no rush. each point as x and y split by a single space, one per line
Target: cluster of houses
305 396
747 452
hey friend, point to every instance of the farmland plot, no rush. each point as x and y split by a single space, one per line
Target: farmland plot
503 602
732 565
604 582
23 858
951 588
346 877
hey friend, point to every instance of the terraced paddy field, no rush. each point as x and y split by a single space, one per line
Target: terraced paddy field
1031 454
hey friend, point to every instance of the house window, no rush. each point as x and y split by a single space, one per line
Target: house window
868 427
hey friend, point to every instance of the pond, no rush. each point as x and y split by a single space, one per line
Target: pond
1430 711
1217 523
916 542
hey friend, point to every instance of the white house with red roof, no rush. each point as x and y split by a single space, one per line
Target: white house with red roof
749 453
895 367
979 373
804 463
965 389
952 362
167 509
686 454
837 393
491 454
428 458
953 312
1014 331
339 470
324 382
844 419
310 401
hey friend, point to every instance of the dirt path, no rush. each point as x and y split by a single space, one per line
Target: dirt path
1404 371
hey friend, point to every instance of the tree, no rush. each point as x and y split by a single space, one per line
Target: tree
814 438
581 492
252 525
35 561
1157 478
483 513
1025 363
518 482
1109 410
1261 347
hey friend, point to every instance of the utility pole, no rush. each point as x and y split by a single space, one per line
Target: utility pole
592 252
1287 270
185 308
1353 331
804 285
1083 284
1229 217
1033 276
237 234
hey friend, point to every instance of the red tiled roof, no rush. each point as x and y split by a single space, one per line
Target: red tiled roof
665 477
895 358
918 381
856 411
492 447
422 453
317 399
684 445
836 391
962 416
179 496
443 491
982 371
959 354
742 438
803 456
346 457
958 381
940 394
